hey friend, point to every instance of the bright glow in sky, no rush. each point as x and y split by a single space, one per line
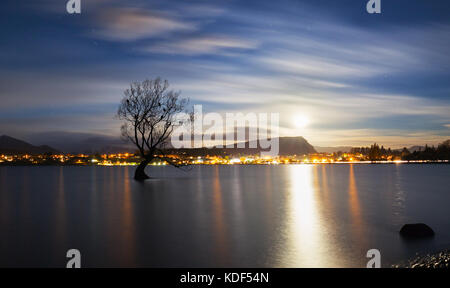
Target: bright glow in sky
301 121
350 78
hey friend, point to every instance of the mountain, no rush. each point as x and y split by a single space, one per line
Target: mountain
10 145
344 149
88 143
287 146
70 142
94 143
415 148
295 146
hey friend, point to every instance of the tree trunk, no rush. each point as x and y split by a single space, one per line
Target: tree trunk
140 170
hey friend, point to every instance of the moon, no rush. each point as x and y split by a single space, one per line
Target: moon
301 121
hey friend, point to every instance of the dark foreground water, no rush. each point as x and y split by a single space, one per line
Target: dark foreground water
220 216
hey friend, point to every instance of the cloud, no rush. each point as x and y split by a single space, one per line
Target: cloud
394 138
22 90
354 55
103 123
202 45
345 75
303 64
129 24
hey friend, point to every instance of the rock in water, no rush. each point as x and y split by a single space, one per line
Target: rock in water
418 230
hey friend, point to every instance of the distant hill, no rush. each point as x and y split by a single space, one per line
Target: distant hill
295 146
88 143
10 145
446 143
344 149
287 146
415 148
421 148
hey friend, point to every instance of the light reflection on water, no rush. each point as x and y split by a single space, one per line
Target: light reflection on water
220 216
305 245
220 229
355 210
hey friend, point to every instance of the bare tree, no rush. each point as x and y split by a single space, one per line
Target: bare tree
149 112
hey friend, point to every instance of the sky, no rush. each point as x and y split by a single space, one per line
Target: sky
337 75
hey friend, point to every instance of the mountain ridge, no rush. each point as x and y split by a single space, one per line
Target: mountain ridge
11 145
294 145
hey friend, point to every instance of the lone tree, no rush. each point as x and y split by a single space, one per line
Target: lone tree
149 112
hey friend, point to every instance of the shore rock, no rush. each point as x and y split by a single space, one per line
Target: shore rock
418 230
438 260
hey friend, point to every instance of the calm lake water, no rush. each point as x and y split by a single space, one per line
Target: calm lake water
220 216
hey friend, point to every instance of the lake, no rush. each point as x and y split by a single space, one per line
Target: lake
221 216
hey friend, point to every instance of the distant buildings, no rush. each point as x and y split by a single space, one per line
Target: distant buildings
182 159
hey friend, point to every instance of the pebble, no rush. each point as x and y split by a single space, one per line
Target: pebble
439 260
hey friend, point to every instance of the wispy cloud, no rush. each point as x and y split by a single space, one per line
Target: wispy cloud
202 45
346 76
307 65
129 24
395 138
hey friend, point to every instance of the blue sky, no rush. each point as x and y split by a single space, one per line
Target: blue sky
356 77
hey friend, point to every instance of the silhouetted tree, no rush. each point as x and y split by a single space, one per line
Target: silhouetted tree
442 152
374 152
405 152
149 110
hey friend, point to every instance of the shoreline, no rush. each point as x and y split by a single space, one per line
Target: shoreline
428 162
439 259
